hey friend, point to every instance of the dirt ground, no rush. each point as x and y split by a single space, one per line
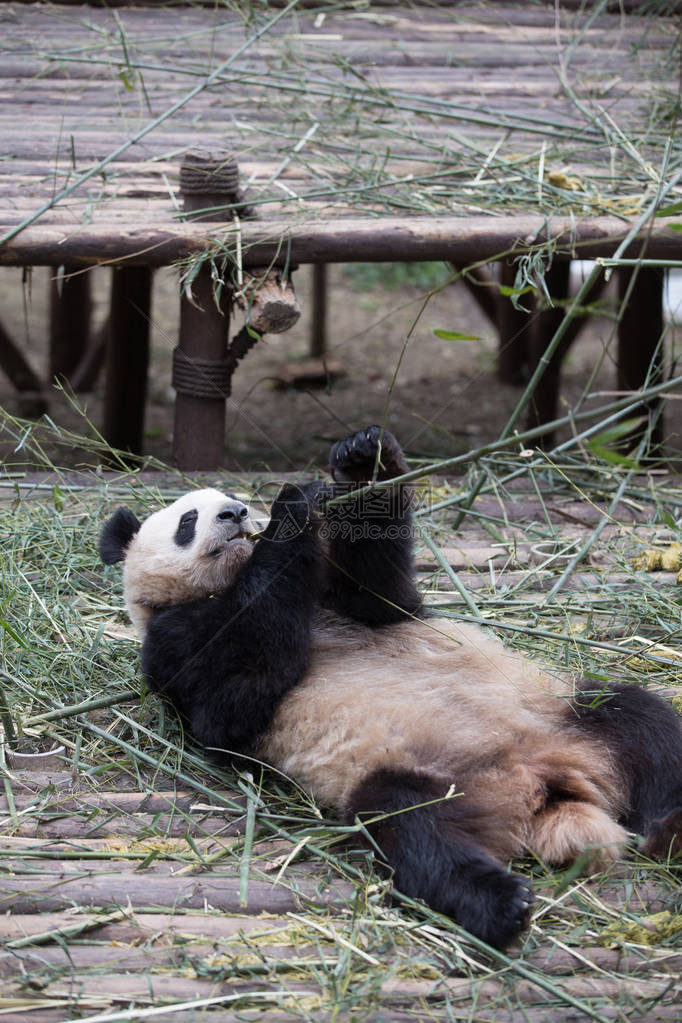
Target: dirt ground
445 398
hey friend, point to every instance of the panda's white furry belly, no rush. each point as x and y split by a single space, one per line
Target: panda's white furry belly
433 696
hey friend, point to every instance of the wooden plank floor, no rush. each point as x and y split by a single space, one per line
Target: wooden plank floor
352 120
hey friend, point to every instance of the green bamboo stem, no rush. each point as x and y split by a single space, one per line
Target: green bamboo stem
245 863
623 406
450 572
83 707
607 517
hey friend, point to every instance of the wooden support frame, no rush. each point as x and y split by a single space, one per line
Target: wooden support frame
546 322
70 312
318 329
23 377
482 287
640 338
514 327
199 434
127 358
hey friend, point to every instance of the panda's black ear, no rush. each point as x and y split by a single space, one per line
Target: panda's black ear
117 532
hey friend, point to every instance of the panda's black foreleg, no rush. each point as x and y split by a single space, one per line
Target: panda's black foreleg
225 661
644 735
435 854
371 564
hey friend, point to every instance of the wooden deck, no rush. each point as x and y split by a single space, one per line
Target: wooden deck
401 132
137 882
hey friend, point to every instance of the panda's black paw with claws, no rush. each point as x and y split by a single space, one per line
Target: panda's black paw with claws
296 511
516 909
491 904
356 458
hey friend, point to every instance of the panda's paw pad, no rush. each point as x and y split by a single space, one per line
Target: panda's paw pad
354 458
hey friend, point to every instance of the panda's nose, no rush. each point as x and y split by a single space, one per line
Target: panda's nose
235 511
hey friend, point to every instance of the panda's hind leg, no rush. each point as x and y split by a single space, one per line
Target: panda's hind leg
564 830
436 852
643 734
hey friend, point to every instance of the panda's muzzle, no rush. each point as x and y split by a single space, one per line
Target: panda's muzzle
233 511
233 520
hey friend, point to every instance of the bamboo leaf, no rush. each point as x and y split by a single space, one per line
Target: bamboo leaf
670 211
455 335
600 444
13 634
613 457
616 432
509 292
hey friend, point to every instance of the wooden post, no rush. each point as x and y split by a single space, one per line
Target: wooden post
127 357
640 337
318 331
201 376
201 366
546 322
70 308
515 328
32 401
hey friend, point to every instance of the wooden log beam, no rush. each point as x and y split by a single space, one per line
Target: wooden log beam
483 289
50 892
460 240
543 404
543 408
199 432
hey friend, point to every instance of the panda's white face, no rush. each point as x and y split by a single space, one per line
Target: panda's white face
192 548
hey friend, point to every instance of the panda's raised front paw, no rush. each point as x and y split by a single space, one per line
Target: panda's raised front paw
295 511
354 459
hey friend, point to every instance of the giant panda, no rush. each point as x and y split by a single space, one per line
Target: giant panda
309 649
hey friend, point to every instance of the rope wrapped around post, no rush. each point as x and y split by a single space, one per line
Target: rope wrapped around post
204 361
210 186
211 378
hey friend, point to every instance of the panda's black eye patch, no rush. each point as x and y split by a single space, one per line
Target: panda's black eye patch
187 527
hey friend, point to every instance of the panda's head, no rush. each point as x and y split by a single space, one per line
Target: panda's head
189 549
